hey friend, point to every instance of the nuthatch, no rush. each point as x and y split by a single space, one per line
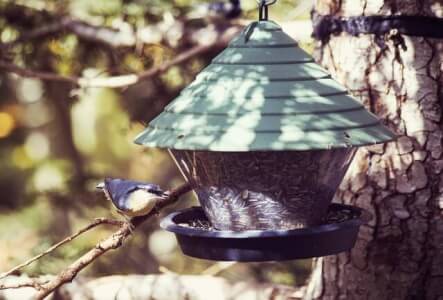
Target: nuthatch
132 198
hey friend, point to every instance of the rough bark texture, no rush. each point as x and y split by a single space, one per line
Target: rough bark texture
399 254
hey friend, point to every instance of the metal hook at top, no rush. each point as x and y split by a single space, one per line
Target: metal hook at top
263 9
266 2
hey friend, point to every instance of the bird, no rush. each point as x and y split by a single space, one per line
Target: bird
132 198
217 10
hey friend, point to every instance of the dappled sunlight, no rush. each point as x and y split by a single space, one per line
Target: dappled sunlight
7 124
49 177
85 131
391 80
437 9
263 93
37 146
162 245
36 115
29 90
21 241
398 183
258 94
20 158
93 133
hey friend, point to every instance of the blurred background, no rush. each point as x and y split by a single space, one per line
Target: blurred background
57 141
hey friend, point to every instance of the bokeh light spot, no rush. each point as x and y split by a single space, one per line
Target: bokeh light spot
48 177
30 90
37 146
162 244
7 124
21 159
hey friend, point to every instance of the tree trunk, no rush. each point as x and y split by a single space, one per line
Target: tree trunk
399 254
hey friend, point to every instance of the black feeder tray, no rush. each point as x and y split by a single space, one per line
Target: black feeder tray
197 239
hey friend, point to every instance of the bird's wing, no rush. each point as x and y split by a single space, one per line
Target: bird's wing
150 187
118 190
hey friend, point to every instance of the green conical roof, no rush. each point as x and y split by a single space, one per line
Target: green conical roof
263 93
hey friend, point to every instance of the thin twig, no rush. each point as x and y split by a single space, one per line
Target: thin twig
110 82
217 268
165 270
109 37
12 68
33 283
98 221
38 33
112 242
220 40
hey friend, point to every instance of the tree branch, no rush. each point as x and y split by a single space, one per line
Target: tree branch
110 82
12 68
98 221
218 267
33 283
110 243
40 32
122 37
121 80
58 24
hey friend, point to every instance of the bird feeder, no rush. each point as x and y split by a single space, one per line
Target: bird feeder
265 136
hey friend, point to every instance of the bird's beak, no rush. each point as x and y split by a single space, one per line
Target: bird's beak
100 186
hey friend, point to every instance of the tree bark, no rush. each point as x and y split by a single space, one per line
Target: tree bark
399 254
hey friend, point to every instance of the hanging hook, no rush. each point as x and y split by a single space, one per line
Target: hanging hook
263 9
